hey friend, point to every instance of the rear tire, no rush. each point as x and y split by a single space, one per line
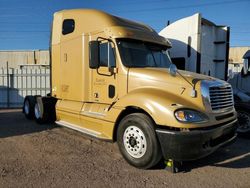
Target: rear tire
44 110
28 107
39 112
137 141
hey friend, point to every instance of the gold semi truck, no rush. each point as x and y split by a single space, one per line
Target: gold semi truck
113 79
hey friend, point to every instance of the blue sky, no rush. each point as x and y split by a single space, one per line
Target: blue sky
25 24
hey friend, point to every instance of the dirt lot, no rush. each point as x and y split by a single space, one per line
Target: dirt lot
32 155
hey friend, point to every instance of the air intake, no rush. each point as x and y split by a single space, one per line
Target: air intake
221 97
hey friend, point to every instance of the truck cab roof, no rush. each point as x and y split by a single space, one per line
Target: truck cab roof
90 21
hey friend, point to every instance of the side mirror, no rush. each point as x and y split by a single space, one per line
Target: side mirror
245 66
94 55
173 69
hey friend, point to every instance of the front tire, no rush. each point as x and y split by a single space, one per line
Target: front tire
137 141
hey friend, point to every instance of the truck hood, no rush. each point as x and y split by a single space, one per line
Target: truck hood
159 77
177 89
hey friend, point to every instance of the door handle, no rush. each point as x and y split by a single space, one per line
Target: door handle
96 95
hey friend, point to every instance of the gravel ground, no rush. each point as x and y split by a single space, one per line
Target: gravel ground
34 155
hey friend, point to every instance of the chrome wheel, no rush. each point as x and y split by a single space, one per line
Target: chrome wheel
135 142
244 122
37 111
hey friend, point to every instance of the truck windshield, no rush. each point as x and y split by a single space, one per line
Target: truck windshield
136 53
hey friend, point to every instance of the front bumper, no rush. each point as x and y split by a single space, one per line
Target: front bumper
195 144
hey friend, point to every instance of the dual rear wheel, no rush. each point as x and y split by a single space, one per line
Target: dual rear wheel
42 109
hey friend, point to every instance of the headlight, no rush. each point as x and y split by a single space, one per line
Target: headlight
189 116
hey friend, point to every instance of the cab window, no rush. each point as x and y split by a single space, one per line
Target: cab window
68 26
107 57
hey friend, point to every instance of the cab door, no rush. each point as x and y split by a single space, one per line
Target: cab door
104 78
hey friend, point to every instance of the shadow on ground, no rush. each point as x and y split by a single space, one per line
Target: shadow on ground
13 123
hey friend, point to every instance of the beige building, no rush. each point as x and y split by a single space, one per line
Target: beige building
235 58
18 58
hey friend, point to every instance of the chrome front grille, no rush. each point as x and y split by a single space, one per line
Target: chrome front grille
217 96
221 97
